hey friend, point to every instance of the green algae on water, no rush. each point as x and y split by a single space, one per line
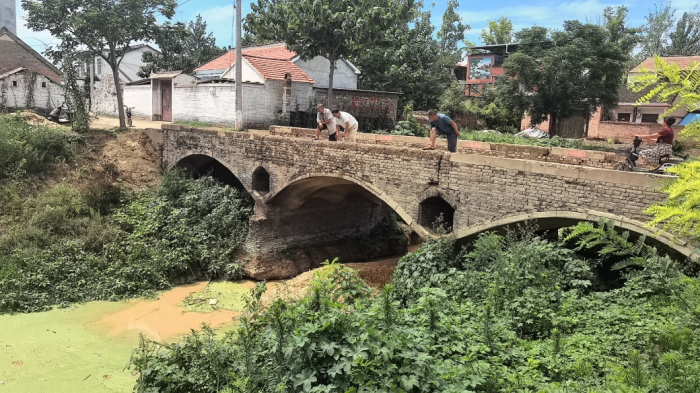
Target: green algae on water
222 295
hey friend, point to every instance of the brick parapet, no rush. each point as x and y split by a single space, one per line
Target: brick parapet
588 158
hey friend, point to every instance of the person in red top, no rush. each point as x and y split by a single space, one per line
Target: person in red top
664 143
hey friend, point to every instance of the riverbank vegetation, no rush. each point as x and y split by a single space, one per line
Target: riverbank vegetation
514 313
62 243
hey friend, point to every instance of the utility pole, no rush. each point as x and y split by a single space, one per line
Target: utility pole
239 70
92 79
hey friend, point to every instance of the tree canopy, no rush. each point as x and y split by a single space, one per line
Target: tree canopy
411 60
182 47
578 68
664 35
499 32
332 29
104 28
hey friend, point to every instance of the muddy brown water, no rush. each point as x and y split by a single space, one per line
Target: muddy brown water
165 317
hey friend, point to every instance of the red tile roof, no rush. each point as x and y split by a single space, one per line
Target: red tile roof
274 51
271 61
220 63
278 68
682 61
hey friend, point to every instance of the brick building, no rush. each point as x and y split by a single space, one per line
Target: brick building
630 118
483 68
27 79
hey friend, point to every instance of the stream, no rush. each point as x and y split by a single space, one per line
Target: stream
86 347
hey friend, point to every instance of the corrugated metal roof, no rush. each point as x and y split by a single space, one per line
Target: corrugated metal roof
691 117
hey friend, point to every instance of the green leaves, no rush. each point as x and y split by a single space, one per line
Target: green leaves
578 68
66 252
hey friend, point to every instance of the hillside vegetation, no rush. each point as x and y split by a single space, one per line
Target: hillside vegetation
89 235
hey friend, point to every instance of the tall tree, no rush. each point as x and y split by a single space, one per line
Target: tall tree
655 39
615 23
411 61
182 47
499 32
105 28
685 39
664 35
580 69
452 31
332 29
627 38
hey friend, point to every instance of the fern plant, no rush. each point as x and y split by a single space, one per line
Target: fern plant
668 83
680 212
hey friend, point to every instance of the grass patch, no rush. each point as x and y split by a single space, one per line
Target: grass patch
227 296
546 142
195 124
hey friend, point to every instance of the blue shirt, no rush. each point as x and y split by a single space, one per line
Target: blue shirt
443 125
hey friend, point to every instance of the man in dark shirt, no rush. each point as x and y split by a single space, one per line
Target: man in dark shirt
442 124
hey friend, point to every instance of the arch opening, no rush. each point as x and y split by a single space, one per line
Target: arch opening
320 218
434 212
261 181
198 165
548 226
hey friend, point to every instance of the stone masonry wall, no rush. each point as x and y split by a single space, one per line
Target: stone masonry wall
480 188
589 158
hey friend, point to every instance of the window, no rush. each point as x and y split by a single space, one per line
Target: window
43 84
14 83
650 118
624 116
99 67
498 61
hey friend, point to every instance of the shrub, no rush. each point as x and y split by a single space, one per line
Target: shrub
66 251
33 148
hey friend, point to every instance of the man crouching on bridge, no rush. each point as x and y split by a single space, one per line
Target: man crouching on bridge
442 124
326 121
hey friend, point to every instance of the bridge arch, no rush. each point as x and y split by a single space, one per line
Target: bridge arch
261 180
435 205
201 164
296 192
555 219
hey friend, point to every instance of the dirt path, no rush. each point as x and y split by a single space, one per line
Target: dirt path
107 123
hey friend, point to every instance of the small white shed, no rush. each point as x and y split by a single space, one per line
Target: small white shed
162 85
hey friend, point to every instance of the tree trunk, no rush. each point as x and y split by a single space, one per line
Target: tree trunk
117 84
553 119
330 83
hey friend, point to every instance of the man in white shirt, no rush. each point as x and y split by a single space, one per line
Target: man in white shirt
325 121
348 122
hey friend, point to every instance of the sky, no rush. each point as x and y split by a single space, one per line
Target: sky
219 15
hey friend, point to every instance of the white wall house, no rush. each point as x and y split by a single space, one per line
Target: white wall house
318 68
344 77
27 79
24 88
128 69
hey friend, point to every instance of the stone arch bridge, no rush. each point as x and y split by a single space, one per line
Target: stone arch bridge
313 197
